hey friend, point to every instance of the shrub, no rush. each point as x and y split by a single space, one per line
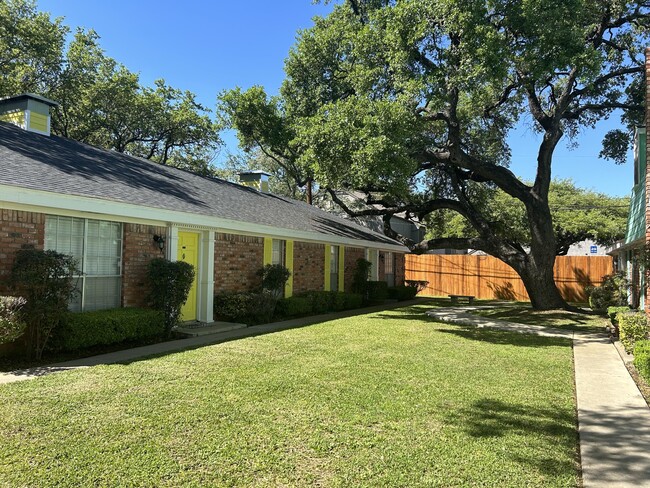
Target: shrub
103 327
360 276
294 306
338 301
377 291
170 282
420 285
321 301
353 300
642 358
401 293
45 280
11 327
274 277
613 313
246 307
612 292
633 327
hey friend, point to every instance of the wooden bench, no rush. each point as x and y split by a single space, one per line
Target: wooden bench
457 299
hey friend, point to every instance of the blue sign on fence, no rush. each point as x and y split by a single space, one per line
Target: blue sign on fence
593 249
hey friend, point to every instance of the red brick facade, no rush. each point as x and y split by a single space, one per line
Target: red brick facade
138 249
308 267
237 257
18 230
352 254
236 260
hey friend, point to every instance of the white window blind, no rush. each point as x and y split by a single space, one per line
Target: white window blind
97 247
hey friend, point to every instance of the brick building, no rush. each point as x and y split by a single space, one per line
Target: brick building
115 213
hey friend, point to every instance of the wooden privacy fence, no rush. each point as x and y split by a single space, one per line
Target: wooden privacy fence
488 277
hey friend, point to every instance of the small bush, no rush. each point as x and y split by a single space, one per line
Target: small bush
642 358
613 312
377 291
246 307
46 280
11 327
633 327
420 285
360 276
401 293
170 282
274 277
103 327
611 293
294 306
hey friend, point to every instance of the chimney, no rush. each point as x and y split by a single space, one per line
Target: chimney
28 111
255 179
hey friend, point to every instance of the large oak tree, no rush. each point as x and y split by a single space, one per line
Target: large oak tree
411 102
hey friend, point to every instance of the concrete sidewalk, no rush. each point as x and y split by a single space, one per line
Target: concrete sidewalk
129 355
613 417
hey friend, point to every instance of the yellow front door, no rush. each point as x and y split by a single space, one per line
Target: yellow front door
188 251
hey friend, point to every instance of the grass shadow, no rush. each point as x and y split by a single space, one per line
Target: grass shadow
488 417
502 337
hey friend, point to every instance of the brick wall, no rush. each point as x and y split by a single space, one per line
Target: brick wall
18 230
352 254
308 267
138 249
236 260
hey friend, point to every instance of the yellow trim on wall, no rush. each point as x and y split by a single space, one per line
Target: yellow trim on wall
38 121
328 266
288 287
341 269
268 251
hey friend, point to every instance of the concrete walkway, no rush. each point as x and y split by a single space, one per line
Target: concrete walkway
129 355
613 417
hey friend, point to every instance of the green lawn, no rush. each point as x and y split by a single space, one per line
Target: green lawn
384 399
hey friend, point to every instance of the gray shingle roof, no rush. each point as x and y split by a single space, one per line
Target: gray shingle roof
59 165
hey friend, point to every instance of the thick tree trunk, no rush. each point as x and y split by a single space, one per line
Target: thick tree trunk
540 285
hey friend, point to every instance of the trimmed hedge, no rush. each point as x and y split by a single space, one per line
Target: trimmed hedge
249 308
642 358
612 312
401 293
353 300
293 306
633 327
103 327
377 291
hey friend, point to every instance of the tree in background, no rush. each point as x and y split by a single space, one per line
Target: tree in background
101 102
410 103
264 131
578 214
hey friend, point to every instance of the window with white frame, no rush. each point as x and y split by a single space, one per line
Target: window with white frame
334 268
279 254
389 268
97 247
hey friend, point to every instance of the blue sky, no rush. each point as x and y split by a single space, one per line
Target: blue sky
210 46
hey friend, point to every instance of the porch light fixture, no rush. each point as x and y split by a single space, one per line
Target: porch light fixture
160 242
